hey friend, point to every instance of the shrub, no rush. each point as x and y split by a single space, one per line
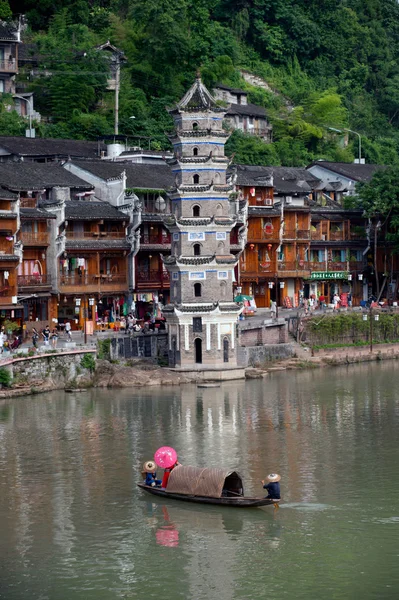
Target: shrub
104 347
5 377
88 362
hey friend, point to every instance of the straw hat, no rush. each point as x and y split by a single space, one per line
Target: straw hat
273 477
149 466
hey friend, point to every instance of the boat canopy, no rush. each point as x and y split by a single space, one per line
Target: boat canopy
208 482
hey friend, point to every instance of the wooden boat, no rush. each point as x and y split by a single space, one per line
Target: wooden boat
206 486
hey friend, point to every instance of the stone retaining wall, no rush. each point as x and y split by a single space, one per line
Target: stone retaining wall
255 356
149 345
58 370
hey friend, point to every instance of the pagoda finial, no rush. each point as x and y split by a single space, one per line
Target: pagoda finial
198 75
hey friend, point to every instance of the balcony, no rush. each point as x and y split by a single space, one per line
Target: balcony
154 277
90 283
263 236
337 236
154 239
294 268
28 203
34 281
90 235
8 66
35 239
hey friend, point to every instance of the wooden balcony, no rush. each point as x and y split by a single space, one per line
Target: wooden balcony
8 66
152 239
152 277
93 283
332 265
28 202
263 236
33 282
35 239
90 235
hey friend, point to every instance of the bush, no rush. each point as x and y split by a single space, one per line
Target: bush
5 377
88 362
104 349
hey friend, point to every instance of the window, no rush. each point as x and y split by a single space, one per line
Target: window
195 178
196 211
198 350
197 249
219 210
197 324
197 290
195 151
195 126
2 87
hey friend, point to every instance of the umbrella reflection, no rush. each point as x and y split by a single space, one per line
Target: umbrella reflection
167 535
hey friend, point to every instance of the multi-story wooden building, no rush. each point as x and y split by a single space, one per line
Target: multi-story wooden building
276 258
10 256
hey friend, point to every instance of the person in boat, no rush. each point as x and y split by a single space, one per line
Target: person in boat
166 474
272 486
150 475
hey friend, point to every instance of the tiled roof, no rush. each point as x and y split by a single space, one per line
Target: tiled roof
7 195
145 176
8 31
23 176
222 86
350 170
92 210
52 148
36 213
251 110
284 179
96 244
8 257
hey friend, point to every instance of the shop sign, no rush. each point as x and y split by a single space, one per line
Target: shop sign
329 275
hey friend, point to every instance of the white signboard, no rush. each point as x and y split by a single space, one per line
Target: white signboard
201 275
223 274
221 235
196 236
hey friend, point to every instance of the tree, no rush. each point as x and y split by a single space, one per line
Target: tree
379 198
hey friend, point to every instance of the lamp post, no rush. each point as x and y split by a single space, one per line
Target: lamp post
350 131
30 111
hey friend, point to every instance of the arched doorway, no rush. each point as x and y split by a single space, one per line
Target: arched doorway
225 350
198 351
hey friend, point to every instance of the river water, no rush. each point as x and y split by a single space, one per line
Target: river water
74 525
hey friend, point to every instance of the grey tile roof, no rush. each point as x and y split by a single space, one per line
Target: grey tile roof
145 176
24 176
7 195
35 213
8 31
96 244
51 148
86 210
350 170
285 179
250 110
222 86
8 257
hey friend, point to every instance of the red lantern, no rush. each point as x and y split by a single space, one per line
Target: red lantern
252 246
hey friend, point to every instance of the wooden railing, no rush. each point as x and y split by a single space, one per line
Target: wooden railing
88 279
33 280
152 275
79 235
35 239
155 238
8 66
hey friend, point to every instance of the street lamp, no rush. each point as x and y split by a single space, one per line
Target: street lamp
30 111
351 131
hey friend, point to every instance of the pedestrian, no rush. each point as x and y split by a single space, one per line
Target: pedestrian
336 301
350 300
35 337
273 309
306 306
272 486
68 331
54 338
3 338
46 335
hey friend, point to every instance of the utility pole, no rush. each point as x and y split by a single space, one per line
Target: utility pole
85 317
371 327
117 86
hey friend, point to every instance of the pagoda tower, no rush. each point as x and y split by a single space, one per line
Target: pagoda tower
202 315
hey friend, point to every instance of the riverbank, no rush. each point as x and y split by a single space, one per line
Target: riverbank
71 370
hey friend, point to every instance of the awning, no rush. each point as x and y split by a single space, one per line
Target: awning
11 307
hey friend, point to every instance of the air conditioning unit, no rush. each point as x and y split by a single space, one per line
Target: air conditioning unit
288 199
268 202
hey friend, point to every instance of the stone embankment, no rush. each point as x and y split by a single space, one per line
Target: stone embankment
71 370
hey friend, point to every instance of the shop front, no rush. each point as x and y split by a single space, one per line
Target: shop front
323 285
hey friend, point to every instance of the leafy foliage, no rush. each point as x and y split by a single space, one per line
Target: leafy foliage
332 65
5 377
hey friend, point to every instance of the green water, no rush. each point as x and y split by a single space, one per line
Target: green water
74 525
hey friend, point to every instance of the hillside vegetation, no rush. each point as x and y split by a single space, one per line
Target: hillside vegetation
336 61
